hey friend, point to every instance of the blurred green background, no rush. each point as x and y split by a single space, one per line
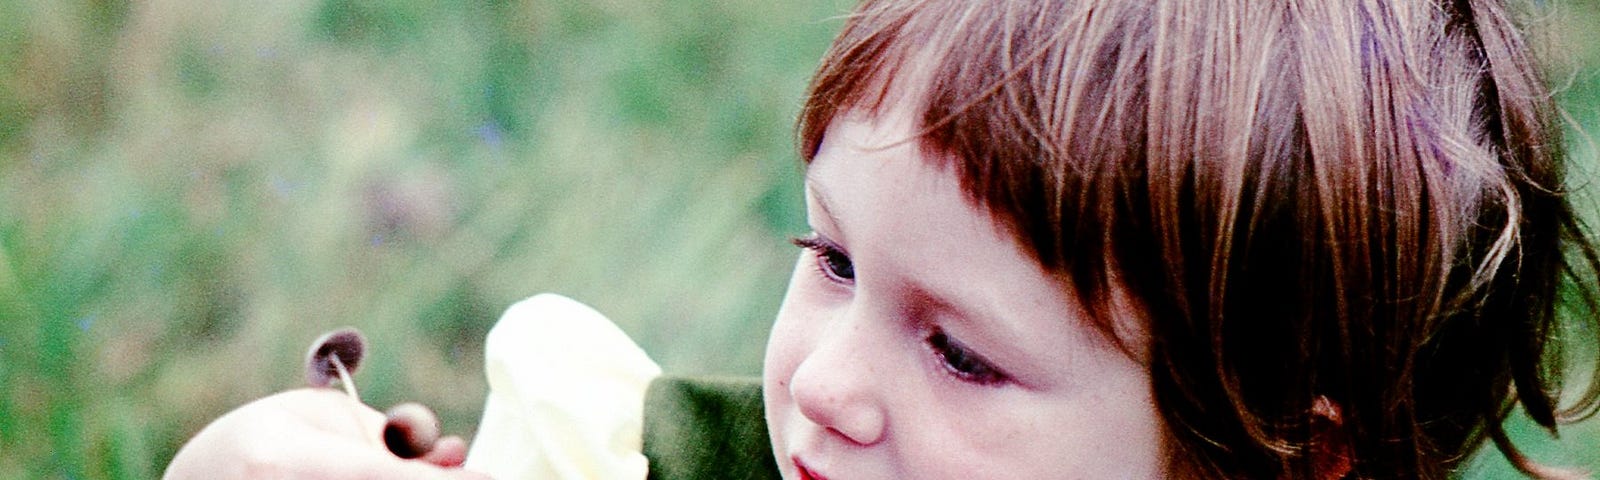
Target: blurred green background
190 191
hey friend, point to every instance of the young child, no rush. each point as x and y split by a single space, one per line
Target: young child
1113 239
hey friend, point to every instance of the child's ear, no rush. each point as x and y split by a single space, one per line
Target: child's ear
1330 443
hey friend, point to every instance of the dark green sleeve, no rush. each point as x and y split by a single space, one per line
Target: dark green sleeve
699 428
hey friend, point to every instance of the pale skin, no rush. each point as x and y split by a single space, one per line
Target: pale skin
918 340
308 434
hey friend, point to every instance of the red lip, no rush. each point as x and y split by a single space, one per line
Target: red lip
805 473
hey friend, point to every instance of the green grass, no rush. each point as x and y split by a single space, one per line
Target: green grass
190 191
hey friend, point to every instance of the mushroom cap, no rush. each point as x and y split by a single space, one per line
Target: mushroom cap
345 343
411 430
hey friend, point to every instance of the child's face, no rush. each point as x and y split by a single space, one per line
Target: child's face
918 340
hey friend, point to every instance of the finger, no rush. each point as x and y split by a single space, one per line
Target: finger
410 469
252 441
327 411
339 414
342 459
451 451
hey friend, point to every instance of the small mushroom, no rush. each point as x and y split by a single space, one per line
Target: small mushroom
336 355
411 431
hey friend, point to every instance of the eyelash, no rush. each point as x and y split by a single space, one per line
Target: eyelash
832 262
962 362
958 361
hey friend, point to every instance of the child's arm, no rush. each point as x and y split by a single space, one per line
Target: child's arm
307 433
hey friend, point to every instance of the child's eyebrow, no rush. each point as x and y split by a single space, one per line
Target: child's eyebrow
821 198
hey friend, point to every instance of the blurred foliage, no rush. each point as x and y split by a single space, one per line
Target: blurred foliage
193 190
190 191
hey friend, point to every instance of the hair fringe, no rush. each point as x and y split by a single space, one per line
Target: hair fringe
1387 173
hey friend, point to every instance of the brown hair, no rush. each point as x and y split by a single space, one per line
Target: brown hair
1357 201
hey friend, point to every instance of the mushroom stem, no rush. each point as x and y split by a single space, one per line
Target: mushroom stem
344 376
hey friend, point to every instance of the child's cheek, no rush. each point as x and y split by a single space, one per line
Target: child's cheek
804 313
787 347
792 329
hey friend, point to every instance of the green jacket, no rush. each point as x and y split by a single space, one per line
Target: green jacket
700 428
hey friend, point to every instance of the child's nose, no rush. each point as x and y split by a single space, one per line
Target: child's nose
835 386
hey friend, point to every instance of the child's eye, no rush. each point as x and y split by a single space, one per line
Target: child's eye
962 362
831 259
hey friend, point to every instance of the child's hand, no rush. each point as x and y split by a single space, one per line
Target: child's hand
308 433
